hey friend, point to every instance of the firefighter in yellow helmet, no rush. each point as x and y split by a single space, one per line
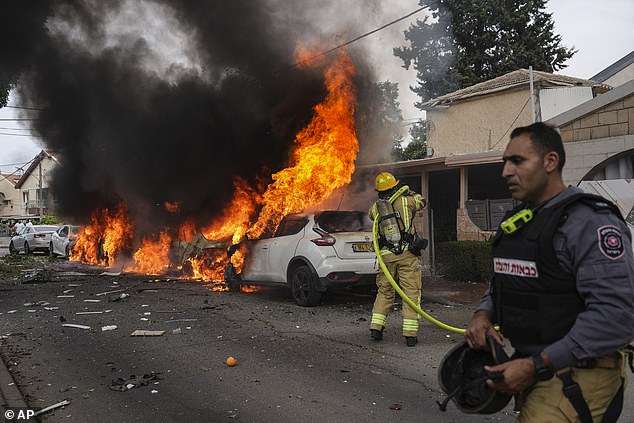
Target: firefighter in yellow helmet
399 247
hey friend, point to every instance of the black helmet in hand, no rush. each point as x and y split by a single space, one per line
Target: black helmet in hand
462 377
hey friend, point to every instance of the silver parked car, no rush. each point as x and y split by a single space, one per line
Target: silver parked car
63 240
32 238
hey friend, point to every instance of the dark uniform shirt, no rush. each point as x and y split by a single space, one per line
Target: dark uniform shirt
586 245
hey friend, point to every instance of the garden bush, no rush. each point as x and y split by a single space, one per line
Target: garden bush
464 260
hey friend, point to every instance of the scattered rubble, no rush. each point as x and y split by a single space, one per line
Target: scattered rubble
73 325
133 381
141 332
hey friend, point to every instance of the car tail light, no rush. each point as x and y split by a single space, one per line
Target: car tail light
325 239
39 235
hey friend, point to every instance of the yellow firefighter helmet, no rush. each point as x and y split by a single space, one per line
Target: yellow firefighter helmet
385 181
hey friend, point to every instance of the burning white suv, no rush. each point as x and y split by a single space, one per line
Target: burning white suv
311 252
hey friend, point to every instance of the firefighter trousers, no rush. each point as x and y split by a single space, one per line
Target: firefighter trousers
405 268
546 402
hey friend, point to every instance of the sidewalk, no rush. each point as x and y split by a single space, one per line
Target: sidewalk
439 290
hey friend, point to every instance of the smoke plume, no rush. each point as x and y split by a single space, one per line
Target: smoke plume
153 101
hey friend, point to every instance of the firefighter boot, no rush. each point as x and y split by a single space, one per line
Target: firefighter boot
377 335
411 341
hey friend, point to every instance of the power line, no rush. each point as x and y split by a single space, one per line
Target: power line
512 123
23 107
20 168
310 59
13 164
16 129
20 135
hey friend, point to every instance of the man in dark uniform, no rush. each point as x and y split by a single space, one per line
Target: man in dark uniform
562 291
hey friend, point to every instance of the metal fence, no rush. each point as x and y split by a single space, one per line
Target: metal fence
487 214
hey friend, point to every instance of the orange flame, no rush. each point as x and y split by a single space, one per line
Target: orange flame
209 266
236 218
187 231
323 159
153 256
172 207
100 242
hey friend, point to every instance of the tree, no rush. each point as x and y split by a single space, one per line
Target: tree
465 42
417 148
379 119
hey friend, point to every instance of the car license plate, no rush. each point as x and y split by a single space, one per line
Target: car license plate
362 247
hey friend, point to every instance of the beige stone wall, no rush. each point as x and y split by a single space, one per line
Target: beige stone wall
483 123
594 138
583 156
469 231
615 119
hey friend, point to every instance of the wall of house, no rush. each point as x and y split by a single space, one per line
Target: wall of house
485 124
11 204
596 137
469 231
31 185
621 77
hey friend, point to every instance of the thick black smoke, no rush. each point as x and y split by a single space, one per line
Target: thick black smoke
126 131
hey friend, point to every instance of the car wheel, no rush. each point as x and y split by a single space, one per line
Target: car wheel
304 287
50 250
27 250
67 252
12 249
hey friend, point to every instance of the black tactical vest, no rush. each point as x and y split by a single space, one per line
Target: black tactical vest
536 301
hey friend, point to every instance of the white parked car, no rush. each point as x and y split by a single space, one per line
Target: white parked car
311 252
63 240
32 238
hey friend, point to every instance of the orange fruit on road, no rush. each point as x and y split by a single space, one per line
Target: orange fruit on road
231 361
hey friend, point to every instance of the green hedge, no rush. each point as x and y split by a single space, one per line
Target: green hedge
464 260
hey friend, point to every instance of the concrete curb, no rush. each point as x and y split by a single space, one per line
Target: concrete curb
10 395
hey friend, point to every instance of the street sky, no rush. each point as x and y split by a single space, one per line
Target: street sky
601 31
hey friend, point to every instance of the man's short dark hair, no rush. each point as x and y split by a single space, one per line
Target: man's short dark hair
545 139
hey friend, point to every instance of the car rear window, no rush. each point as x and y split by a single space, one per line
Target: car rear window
44 228
290 227
344 221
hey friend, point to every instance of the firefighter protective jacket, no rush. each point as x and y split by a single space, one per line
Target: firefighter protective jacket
535 301
406 206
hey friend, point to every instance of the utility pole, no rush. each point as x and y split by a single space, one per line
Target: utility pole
40 196
530 70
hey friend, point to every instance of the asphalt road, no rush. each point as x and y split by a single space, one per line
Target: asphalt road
293 363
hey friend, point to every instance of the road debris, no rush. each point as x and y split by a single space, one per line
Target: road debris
51 308
180 320
71 274
92 301
119 298
51 407
109 292
140 332
109 327
65 296
133 381
89 312
110 273
395 406
73 325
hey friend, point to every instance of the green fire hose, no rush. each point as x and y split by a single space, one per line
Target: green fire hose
398 289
